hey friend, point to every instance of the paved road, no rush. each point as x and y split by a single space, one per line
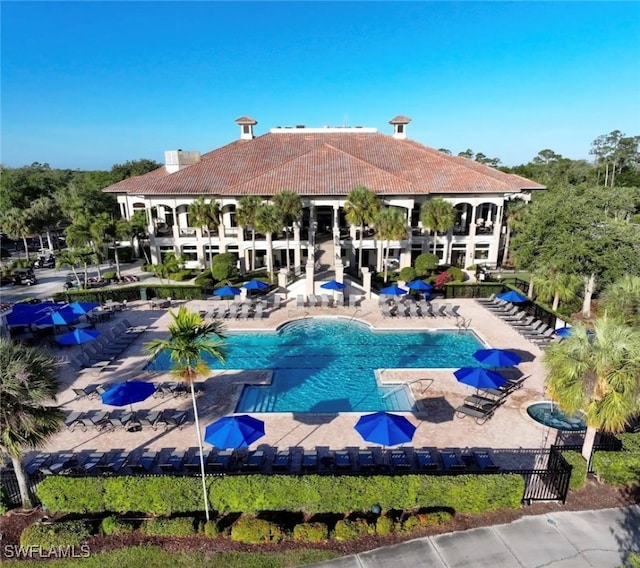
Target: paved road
589 539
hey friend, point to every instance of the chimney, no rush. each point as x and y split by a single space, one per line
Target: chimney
400 126
176 160
246 124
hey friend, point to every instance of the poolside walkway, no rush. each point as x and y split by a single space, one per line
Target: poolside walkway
511 433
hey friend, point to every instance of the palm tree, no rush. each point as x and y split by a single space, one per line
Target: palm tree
289 207
597 372
361 208
391 225
621 300
268 221
138 228
191 338
17 224
514 209
28 385
246 218
437 215
553 285
46 214
69 258
206 216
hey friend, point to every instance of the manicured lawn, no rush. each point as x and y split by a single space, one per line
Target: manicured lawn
153 557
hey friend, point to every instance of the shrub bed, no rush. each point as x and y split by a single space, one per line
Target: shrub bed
115 526
179 526
351 529
579 471
66 533
617 467
165 495
311 532
255 531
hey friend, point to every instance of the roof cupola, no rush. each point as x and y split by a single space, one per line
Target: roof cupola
246 124
400 126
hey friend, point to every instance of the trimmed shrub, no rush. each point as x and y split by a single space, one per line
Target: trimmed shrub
422 520
211 529
66 533
630 442
384 526
224 266
426 262
109 275
205 280
618 468
311 532
579 471
255 531
457 274
115 525
181 275
408 274
351 529
180 526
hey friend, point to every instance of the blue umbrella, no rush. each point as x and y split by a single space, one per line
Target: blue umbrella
255 285
232 432
77 337
82 308
64 316
25 314
333 285
227 291
385 429
393 291
128 393
513 297
479 377
564 331
497 357
420 286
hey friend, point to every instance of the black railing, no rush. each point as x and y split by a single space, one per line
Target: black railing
551 484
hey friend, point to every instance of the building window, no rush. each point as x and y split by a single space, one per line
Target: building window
165 250
190 252
246 129
481 252
400 128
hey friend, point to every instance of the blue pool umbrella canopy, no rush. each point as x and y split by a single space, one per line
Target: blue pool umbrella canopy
564 331
232 432
25 314
64 316
333 285
82 308
479 377
255 285
385 429
513 297
393 291
497 357
122 394
420 286
227 291
78 337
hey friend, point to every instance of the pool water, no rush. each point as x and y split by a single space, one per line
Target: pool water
549 414
326 365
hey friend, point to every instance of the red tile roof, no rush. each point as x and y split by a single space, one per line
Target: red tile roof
325 164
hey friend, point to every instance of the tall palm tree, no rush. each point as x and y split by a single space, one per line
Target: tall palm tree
69 258
206 216
621 300
46 214
28 386
191 338
513 214
437 215
361 208
391 225
246 218
553 285
268 221
289 206
18 225
599 373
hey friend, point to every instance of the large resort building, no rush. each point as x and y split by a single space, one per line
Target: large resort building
323 165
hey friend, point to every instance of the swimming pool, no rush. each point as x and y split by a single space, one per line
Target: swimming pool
327 365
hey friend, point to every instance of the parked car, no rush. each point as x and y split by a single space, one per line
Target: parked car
45 262
24 276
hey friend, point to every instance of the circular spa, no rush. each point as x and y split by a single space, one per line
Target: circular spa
548 414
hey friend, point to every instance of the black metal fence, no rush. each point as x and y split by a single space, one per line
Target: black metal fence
550 484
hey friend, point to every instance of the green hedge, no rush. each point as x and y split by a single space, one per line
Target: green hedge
617 467
255 531
164 495
131 293
47 535
311 532
352 529
579 471
180 526
115 526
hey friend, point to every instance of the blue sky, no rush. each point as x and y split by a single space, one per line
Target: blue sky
86 85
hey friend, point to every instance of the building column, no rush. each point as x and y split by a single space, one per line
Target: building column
470 245
310 272
297 253
366 282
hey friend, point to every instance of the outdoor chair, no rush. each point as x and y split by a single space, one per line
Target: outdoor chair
480 415
499 306
386 311
342 460
173 419
413 311
514 314
525 322
313 301
310 460
144 463
281 461
244 313
192 461
220 460
430 311
451 461
277 300
37 462
147 418
171 461
454 312
488 300
60 463
479 401
442 311
538 331
365 460
545 336
118 420
254 461
259 312
71 419
84 392
233 312
447 309
114 462
400 460
92 461
100 420
300 301
484 461
510 386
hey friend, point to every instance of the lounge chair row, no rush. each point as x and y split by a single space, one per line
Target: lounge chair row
335 462
483 405
103 420
169 389
419 310
238 311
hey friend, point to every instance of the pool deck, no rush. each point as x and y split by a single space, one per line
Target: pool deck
510 432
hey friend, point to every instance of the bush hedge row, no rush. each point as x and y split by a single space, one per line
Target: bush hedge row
165 495
579 471
131 293
45 535
617 467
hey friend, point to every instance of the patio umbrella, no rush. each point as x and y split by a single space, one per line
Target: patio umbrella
564 331
513 297
479 378
385 429
255 285
227 291
420 286
333 285
497 357
78 337
25 314
393 291
129 392
82 308
64 316
232 432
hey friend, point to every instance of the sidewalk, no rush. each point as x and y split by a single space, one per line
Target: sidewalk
571 539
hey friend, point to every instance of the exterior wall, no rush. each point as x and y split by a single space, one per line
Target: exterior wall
170 230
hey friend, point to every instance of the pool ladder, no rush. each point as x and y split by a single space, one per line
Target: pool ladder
403 385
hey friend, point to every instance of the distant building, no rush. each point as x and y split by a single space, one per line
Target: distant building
322 165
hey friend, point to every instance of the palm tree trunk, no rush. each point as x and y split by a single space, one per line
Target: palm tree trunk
286 232
589 440
197 421
210 253
270 256
507 239
360 251
41 241
49 240
26 246
116 258
253 248
435 241
589 287
23 484
386 260
556 302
